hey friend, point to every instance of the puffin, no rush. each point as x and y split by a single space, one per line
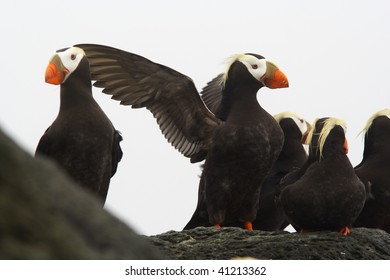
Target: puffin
82 139
374 170
326 194
238 149
270 215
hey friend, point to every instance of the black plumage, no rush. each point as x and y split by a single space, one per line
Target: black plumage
81 139
239 147
270 215
325 194
374 171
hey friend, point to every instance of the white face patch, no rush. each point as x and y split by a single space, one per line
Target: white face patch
257 67
301 124
70 59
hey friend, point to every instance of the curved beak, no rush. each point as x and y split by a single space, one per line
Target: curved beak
55 71
274 78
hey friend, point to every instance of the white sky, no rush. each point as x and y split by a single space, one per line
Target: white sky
336 55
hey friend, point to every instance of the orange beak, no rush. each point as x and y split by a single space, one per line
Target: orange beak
274 78
346 145
55 71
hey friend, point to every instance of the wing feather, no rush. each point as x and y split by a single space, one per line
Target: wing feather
171 96
212 94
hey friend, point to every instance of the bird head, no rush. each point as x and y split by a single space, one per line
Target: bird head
62 64
382 114
302 125
262 72
377 132
319 135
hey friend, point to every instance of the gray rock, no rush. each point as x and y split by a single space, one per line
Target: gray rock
227 243
45 215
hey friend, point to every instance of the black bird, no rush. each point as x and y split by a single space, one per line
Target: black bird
81 139
270 216
374 170
327 194
239 149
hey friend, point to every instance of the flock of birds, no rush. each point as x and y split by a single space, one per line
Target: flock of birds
256 172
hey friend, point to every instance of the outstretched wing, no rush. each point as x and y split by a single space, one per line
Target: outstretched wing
212 94
171 96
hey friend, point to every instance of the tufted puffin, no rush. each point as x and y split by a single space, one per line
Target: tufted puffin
238 149
270 216
374 170
328 195
81 139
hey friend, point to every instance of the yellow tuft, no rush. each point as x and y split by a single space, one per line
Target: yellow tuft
229 61
79 50
384 112
329 124
285 115
311 132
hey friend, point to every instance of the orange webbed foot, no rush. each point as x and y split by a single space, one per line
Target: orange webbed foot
217 226
248 225
345 231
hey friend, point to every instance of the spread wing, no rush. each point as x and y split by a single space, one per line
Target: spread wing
212 94
171 96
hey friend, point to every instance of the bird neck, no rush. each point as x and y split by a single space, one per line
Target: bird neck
293 148
239 105
292 155
75 93
377 149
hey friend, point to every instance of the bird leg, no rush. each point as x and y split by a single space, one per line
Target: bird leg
217 226
248 225
345 231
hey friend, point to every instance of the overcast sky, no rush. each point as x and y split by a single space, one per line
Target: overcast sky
335 53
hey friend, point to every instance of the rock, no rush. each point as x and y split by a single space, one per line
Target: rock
45 215
227 243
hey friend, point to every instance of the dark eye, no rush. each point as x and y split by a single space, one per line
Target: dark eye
72 56
254 66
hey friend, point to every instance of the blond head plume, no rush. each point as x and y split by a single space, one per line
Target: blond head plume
384 112
329 124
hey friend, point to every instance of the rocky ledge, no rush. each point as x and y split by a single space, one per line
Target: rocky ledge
46 215
227 243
